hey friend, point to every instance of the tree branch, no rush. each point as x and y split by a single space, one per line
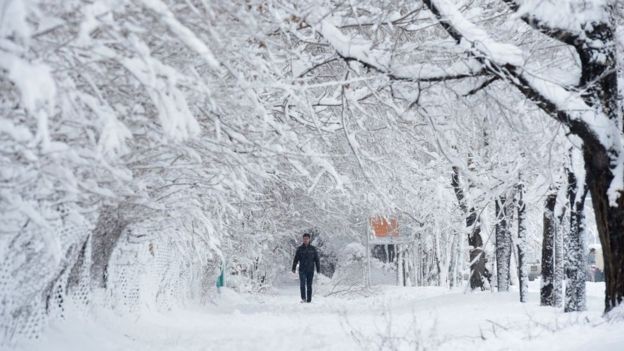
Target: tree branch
310 69
541 25
380 60
482 86
565 106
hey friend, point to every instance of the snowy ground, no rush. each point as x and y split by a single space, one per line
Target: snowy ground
392 318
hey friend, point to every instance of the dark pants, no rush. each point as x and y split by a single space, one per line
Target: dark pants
305 281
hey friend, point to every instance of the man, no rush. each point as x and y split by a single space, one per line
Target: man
307 257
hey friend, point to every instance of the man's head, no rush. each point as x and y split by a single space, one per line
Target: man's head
306 238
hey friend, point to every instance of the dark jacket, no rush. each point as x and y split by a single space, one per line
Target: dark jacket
307 257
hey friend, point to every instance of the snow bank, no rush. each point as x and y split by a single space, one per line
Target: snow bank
397 318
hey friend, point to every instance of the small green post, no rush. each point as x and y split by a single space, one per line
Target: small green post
221 278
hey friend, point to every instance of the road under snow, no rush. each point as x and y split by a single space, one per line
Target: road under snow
388 318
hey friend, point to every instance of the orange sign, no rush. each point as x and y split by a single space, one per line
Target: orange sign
383 227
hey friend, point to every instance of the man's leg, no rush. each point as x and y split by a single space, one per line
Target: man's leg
310 279
302 281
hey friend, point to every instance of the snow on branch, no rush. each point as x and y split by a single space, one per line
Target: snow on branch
568 107
161 84
362 51
505 61
428 72
182 32
38 90
472 38
564 20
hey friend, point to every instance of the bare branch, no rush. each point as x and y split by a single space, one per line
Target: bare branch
482 86
310 69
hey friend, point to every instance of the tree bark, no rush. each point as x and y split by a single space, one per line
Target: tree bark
561 230
104 238
477 255
575 266
599 80
523 272
548 245
503 245
609 220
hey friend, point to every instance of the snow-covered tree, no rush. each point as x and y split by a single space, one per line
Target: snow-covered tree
579 102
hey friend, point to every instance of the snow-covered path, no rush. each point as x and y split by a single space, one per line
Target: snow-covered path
392 318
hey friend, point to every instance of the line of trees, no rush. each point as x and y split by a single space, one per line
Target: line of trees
210 129
589 108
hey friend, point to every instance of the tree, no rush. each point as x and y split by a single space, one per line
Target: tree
131 133
580 107
476 253
547 290
523 273
575 267
562 231
503 243
597 103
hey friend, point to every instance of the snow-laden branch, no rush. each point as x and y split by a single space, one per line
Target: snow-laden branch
590 123
505 60
564 20
37 88
362 51
182 32
428 72
472 38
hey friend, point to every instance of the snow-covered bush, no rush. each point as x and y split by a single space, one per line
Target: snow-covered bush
351 267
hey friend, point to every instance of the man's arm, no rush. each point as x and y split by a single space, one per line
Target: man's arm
295 261
317 261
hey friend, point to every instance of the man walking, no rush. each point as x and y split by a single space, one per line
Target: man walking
307 257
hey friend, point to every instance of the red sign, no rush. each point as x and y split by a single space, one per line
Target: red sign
383 227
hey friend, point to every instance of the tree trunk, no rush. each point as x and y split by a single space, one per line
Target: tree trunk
523 273
609 220
503 244
561 230
575 247
548 243
600 83
436 248
418 261
455 260
105 235
477 255
581 278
